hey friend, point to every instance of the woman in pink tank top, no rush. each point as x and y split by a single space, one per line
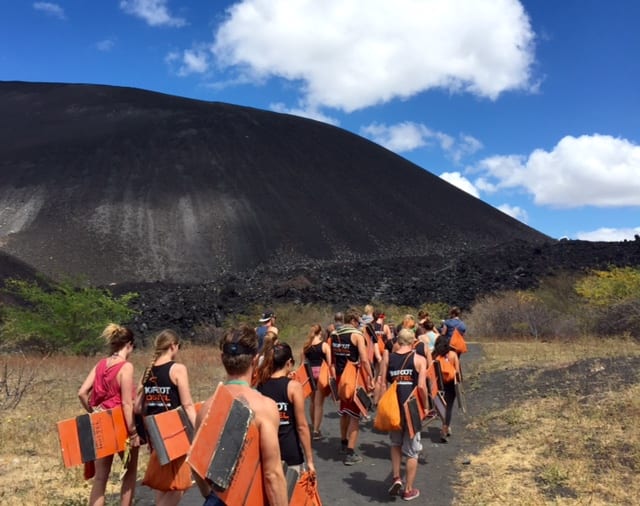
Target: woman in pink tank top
109 385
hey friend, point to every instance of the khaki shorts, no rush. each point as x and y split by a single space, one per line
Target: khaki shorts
411 447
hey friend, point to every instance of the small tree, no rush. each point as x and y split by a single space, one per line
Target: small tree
63 317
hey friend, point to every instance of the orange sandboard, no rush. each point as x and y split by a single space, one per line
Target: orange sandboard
92 436
226 451
170 433
415 412
304 375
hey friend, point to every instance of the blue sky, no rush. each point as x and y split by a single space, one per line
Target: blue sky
531 106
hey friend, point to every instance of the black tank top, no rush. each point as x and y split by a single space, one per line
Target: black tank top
314 355
406 375
342 349
160 393
290 451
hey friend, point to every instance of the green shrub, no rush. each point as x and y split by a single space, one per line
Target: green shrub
62 317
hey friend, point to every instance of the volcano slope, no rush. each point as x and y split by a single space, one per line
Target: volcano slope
125 185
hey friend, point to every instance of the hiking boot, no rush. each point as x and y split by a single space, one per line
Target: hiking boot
396 487
351 459
316 435
410 495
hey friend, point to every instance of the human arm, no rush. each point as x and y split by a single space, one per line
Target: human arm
376 349
384 366
84 392
274 480
180 377
364 357
125 378
421 366
203 486
453 357
326 349
296 396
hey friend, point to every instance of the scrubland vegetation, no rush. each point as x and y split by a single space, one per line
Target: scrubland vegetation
569 446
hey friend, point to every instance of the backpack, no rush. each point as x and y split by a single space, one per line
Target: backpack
457 342
447 369
388 413
348 379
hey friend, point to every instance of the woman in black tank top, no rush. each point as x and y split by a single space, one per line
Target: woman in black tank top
165 386
315 351
273 381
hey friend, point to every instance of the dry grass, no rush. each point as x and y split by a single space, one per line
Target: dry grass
562 450
501 355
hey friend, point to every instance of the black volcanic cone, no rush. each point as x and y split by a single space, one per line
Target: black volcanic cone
120 184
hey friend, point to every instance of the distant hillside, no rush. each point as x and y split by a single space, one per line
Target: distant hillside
125 185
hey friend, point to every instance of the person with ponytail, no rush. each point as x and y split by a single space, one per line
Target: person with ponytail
165 386
109 385
314 351
274 382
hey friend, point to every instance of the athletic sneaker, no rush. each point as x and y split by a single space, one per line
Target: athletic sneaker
316 435
410 495
343 449
351 459
396 487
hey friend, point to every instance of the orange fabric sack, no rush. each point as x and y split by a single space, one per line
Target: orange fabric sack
323 378
305 492
176 475
388 413
447 369
348 379
457 342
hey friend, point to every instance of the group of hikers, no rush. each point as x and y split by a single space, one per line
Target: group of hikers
260 371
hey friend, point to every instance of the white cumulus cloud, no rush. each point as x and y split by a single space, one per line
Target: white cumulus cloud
351 54
304 112
408 136
590 170
461 182
50 8
189 61
609 234
154 12
105 45
515 212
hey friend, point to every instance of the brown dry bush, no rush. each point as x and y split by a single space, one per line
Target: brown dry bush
513 315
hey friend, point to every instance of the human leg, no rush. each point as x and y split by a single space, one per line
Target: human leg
395 439
449 397
128 487
353 431
318 411
344 425
99 486
411 448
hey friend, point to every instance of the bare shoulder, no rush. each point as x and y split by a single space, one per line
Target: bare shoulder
420 363
264 407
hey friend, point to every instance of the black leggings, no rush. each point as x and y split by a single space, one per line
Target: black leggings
450 398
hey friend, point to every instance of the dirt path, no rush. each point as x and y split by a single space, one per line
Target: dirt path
367 483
